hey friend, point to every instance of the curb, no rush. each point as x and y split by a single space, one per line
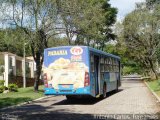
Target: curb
158 98
24 103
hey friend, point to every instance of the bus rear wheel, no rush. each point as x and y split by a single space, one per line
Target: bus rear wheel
104 91
116 87
70 97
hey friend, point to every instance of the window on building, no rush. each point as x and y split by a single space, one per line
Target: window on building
28 71
18 68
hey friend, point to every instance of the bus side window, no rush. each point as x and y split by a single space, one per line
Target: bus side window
116 64
110 64
92 63
102 65
106 65
92 67
113 65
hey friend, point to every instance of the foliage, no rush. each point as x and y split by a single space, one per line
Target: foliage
110 48
2 82
87 20
1 70
141 36
154 85
2 88
1 62
127 70
12 41
129 66
13 87
150 4
36 28
131 70
1 66
57 41
18 72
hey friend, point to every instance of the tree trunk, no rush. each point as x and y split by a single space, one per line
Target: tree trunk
38 71
38 56
36 83
152 68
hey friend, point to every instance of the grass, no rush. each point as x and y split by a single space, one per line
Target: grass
155 86
23 95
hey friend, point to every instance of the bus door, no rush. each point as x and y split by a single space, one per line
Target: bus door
119 72
96 68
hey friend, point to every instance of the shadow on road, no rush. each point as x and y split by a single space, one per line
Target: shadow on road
38 112
54 116
41 112
65 116
85 101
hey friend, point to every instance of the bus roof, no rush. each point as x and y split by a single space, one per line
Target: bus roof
90 48
63 47
104 53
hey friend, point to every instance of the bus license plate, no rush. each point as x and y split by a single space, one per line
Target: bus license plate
66 86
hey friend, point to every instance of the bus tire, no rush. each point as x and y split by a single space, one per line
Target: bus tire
117 87
70 97
104 91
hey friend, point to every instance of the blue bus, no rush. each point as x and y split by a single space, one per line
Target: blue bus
80 71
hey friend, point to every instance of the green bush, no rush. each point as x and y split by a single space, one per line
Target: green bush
5 88
127 70
131 70
2 82
2 88
1 70
13 87
158 82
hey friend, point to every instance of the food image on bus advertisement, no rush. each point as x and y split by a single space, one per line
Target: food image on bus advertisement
66 66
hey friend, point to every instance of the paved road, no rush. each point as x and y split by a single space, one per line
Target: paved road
132 98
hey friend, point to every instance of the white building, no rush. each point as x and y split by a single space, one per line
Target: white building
13 65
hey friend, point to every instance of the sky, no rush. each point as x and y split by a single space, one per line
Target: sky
124 7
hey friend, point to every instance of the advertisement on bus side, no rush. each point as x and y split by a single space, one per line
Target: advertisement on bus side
66 67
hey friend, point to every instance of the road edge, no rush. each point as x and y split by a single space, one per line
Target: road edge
28 102
157 97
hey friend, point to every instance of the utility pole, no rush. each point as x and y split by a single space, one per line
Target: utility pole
24 66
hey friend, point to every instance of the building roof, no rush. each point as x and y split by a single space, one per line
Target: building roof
17 57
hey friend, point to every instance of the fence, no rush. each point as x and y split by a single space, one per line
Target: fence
18 80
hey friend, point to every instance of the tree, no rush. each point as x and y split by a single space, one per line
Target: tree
39 20
36 21
142 37
150 4
12 41
87 20
110 18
